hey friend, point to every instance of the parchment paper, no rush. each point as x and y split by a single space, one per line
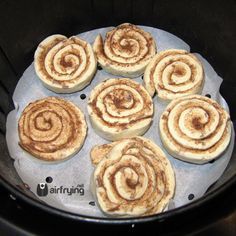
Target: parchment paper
190 178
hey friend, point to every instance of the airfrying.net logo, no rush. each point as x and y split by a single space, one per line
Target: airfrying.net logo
43 189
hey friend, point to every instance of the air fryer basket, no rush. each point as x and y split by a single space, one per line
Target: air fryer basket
207 26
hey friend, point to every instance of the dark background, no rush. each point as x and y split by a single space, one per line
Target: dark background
207 26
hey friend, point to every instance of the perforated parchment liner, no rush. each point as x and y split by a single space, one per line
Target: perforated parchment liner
190 178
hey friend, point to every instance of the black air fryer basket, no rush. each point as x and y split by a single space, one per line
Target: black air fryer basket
207 26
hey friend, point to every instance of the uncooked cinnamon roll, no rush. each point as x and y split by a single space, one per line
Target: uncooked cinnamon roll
52 129
133 178
65 65
126 51
174 73
120 108
195 129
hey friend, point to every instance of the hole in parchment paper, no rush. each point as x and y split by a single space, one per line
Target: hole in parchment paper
92 203
212 161
190 196
99 67
208 95
49 179
142 77
82 96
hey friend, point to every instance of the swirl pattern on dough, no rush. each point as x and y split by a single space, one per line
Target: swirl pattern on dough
52 129
133 179
126 51
195 129
120 108
174 73
63 64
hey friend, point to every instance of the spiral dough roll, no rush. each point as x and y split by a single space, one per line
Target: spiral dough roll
120 108
52 129
126 51
134 178
173 74
65 65
195 129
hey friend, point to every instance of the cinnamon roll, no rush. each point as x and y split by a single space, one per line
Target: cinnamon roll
126 51
120 108
52 129
195 129
174 73
133 178
65 65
